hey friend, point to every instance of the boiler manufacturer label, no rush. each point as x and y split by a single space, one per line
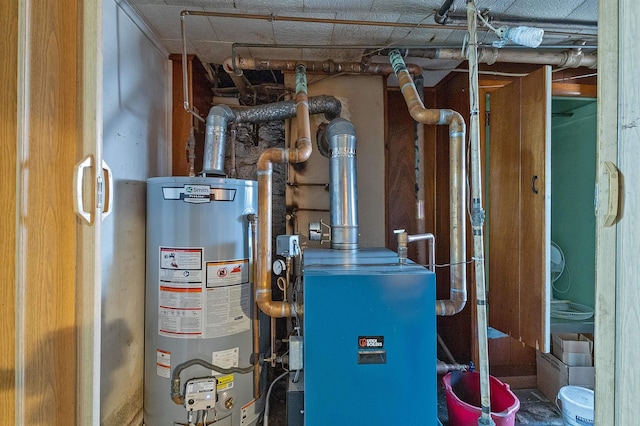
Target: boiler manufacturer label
370 342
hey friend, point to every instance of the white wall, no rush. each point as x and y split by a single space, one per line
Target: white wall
136 144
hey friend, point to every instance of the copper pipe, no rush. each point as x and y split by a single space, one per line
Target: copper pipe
299 154
272 18
256 321
457 230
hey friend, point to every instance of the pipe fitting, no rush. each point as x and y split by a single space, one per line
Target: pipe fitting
215 139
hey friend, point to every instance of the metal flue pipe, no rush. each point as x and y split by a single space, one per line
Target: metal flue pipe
300 153
342 184
457 233
220 116
215 139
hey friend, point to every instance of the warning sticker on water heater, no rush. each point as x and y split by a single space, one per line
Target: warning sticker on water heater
180 297
227 310
227 273
182 266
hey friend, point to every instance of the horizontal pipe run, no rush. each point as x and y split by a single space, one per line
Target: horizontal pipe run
571 58
328 66
323 104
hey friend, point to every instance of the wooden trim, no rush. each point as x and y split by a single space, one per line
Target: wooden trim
605 350
88 238
8 160
574 90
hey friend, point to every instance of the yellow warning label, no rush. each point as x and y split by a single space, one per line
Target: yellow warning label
225 382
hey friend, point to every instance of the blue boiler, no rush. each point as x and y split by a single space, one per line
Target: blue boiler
369 339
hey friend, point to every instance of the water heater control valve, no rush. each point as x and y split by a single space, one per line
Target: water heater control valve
200 394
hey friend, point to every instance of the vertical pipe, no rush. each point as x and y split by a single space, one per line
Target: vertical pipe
457 227
421 256
477 217
299 154
342 184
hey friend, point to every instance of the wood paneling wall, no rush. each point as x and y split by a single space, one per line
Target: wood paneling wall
8 136
200 97
47 132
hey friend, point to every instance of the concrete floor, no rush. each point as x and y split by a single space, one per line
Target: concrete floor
535 409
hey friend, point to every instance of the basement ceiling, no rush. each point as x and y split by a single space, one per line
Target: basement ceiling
281 29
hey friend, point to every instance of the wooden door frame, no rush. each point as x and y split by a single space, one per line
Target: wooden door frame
55 281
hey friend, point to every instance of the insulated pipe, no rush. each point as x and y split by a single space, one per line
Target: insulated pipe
457 233
299 154
328 105
215 139
327 66
572 58
342 184
221 115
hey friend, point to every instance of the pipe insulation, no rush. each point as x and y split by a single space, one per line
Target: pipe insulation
571 58
342 184
220 116
457 231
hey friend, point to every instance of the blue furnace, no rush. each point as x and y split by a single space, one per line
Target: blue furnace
369 339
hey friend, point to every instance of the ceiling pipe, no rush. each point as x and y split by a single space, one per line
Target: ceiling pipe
588 28
441 16
571 58
457 229
299 154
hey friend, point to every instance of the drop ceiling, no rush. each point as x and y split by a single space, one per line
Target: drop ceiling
398 23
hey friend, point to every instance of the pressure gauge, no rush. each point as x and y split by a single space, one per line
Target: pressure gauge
279 266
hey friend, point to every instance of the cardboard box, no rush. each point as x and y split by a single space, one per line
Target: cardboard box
553 374
573 349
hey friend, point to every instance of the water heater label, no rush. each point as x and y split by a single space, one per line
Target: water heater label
198 194
227 310
163 363
180 296
232 272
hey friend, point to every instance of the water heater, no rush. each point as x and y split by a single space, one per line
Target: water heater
199 302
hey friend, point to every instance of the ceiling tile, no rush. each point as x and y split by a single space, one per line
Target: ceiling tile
175 46
587 11
420 7
213 52
243 30
540 8
165 21
188 4
272 53
338 5
271 6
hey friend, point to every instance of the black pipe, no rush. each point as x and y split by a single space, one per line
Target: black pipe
441 15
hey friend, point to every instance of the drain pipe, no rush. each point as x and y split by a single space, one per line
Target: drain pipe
457 233
299 154
477 216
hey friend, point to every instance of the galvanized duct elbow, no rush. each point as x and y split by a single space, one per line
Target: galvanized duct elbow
342 184
215 140
457 231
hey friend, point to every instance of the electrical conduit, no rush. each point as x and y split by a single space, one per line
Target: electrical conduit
457 234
